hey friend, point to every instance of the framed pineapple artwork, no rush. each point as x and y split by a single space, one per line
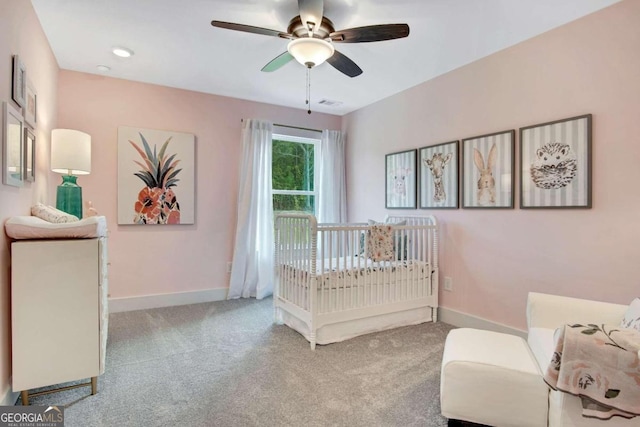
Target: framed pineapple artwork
156 177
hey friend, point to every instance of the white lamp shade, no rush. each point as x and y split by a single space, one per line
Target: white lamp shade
309 50
70 152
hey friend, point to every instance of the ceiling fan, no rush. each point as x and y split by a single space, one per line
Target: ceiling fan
312 37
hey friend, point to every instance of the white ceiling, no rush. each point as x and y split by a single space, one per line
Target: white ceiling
175 44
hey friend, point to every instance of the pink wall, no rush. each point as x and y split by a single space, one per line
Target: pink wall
148 260
20 33
496 257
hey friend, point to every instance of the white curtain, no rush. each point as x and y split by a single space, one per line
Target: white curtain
332 184
253 263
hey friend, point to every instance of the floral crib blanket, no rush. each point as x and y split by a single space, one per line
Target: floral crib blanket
601 365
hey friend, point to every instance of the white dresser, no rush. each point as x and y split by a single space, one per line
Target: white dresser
59 312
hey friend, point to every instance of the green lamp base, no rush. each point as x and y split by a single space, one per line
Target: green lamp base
69 196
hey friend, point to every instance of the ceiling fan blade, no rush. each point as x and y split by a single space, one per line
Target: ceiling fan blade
250 29
311 11
371 33
343 64
277 62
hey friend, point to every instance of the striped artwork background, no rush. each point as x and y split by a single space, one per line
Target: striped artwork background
502 170
573 132
400 165
449 177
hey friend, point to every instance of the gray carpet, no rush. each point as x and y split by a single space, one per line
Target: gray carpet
226 364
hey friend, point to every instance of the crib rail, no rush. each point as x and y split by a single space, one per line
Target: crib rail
295 258
432 235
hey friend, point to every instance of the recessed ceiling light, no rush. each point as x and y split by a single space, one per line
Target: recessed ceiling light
122 52
103 68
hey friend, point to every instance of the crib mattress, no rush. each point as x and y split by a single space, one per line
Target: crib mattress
344 270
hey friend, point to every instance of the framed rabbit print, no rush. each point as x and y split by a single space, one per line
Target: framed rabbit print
400 181
555 164
487 170
439 176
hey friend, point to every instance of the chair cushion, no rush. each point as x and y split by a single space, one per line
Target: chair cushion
491 378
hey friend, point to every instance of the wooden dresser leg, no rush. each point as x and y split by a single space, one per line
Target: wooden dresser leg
94 385
25 397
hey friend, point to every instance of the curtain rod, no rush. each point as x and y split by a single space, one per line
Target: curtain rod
296 127
292 127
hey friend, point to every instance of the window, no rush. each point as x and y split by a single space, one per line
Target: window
293 173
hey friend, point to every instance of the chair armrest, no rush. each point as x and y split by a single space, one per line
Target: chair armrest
553 311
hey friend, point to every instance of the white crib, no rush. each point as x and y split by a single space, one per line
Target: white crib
328 290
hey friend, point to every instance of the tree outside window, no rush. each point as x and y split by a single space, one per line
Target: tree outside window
293 174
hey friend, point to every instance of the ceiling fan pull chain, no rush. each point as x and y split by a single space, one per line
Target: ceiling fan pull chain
309 90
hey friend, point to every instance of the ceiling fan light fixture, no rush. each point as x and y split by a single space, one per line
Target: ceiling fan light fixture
310 52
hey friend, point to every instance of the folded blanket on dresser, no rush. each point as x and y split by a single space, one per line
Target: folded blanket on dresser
601 365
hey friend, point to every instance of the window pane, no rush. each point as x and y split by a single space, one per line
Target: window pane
292 166
289 202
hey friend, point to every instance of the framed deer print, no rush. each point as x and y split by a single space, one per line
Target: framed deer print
555 164
487 170
400 180
439 176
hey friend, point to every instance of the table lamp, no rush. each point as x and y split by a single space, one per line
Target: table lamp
70 156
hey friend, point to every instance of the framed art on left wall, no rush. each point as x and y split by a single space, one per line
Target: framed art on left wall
12 146
19 83
30 105
29 166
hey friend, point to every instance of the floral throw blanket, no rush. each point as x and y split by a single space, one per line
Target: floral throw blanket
601 365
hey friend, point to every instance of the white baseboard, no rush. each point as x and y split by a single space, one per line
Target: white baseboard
117 305
446 315
10 397
463 320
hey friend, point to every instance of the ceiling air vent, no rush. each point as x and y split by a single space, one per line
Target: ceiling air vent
330 103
